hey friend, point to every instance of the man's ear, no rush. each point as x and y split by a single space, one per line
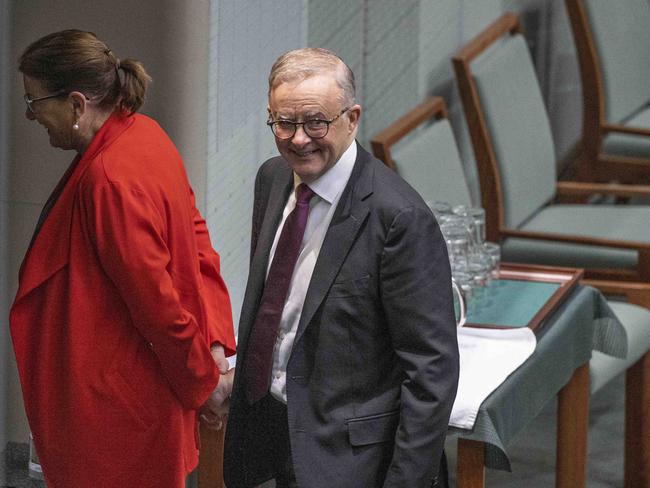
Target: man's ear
354 116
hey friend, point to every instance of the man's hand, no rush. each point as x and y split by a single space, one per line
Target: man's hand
215 411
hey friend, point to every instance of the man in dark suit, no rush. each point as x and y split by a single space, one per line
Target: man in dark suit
347 357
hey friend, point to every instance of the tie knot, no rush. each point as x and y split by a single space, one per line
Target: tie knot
303 194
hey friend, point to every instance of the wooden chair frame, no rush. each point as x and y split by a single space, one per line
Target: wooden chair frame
430 108
593 163
492 197
611 281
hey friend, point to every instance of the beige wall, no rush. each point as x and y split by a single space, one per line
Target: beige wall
4 334
171 38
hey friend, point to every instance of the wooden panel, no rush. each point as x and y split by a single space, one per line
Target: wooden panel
211 458
470 470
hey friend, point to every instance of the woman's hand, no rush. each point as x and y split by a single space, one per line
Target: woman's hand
215 411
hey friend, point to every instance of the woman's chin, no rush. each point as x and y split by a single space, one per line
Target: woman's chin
54 142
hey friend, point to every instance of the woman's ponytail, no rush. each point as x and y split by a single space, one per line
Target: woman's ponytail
134 81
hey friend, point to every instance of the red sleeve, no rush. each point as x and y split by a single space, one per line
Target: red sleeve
128 232
215 294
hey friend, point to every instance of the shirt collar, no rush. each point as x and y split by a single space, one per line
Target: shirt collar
329 185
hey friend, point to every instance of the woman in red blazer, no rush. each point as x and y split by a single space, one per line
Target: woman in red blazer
120 296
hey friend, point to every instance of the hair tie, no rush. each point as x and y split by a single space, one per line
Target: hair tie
117 65
120 79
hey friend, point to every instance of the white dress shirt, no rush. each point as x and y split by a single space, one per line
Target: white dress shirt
328 189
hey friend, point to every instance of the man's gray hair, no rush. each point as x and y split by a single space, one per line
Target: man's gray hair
300 64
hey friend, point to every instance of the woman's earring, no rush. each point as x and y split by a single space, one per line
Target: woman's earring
75 126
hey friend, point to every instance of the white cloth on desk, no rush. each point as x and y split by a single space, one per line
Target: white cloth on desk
487 358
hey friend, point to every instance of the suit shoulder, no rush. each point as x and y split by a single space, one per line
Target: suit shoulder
272 167
392 190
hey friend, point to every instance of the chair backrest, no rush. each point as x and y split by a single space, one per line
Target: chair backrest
620 33
508 125
421 147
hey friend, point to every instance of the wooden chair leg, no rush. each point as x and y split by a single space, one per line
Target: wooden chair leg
211 459
572 427
637 424
470 470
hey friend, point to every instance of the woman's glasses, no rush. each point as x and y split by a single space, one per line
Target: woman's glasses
30 101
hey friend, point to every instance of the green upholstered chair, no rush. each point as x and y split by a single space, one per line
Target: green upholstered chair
421 147
514 150
515 156
612 40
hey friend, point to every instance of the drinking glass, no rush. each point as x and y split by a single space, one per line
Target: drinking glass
462 304
480 267
475 216
465 281
438 208
457 239
493 250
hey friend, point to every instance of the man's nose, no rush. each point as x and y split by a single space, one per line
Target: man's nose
29 114
300 138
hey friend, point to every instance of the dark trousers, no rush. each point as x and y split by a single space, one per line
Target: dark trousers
278 425
443 473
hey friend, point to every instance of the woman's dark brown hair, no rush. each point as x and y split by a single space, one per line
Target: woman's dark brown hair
74 60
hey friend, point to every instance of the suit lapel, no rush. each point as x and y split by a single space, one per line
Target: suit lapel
350 215
277 196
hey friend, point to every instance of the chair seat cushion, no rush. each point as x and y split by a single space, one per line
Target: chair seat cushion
636 321
627 144
620 222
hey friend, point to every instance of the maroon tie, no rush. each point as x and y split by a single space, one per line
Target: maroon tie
259 354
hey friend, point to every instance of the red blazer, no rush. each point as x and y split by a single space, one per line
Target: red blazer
119 298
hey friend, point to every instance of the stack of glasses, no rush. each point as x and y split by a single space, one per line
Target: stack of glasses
474 262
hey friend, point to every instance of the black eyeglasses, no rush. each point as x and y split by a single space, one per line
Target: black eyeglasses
30 101
314 128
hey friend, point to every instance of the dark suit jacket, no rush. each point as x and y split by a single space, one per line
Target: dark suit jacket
374 367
